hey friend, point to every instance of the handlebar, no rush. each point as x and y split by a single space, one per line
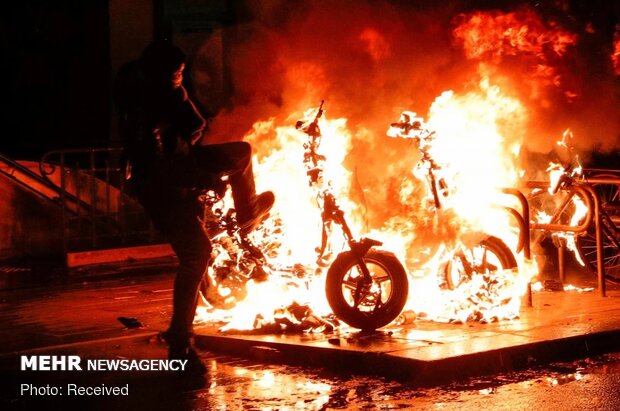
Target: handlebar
411 127
312 129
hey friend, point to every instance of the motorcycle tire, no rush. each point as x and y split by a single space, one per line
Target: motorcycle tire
375 310
501 258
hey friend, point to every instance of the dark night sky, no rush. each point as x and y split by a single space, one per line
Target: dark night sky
56 66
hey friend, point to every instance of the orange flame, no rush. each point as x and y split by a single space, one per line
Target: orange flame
518 39
493 35
480 129
476 159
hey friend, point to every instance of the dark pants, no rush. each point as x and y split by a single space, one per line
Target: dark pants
163 190
235 161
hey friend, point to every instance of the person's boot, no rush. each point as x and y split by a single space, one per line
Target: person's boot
260 206
194 365
182 349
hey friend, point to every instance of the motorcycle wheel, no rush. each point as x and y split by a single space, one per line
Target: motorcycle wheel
609 195
586 243
484 254
586 247
381 303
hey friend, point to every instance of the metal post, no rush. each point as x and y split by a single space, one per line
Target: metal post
524 234
600 268
599 244
78 195
121 207
93 199
561 268
108 208
63 203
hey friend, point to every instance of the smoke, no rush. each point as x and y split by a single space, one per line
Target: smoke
370 60
560 67
367 60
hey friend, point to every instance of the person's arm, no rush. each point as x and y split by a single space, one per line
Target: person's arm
191 121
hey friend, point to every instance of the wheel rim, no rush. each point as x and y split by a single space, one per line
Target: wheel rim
611 253
609 196
478 259
375 295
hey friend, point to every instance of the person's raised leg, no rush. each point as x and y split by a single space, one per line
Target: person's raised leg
235 161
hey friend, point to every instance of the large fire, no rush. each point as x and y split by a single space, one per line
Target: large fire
480 126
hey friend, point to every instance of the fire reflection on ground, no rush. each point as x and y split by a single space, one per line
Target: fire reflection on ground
238 384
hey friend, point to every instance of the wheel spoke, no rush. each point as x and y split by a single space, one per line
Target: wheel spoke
484 257
367 299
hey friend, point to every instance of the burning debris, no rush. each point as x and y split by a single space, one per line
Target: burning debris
294 319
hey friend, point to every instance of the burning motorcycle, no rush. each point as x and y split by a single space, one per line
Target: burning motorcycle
236 258
366 288
477 253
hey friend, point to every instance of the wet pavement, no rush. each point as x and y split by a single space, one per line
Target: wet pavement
558 326
234 383
80 314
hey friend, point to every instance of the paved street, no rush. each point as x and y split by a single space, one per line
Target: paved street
79 315
240 384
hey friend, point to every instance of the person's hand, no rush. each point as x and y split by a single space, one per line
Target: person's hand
218 185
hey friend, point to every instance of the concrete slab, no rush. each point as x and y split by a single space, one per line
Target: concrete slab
558 326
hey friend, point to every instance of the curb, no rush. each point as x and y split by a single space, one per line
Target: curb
416 371
118 255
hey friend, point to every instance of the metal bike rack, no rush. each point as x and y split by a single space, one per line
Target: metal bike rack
523 221
597 224
587 192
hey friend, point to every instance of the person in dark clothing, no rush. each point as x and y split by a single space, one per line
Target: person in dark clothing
161 129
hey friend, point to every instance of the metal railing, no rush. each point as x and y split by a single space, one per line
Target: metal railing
522 218
593 218
97 208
